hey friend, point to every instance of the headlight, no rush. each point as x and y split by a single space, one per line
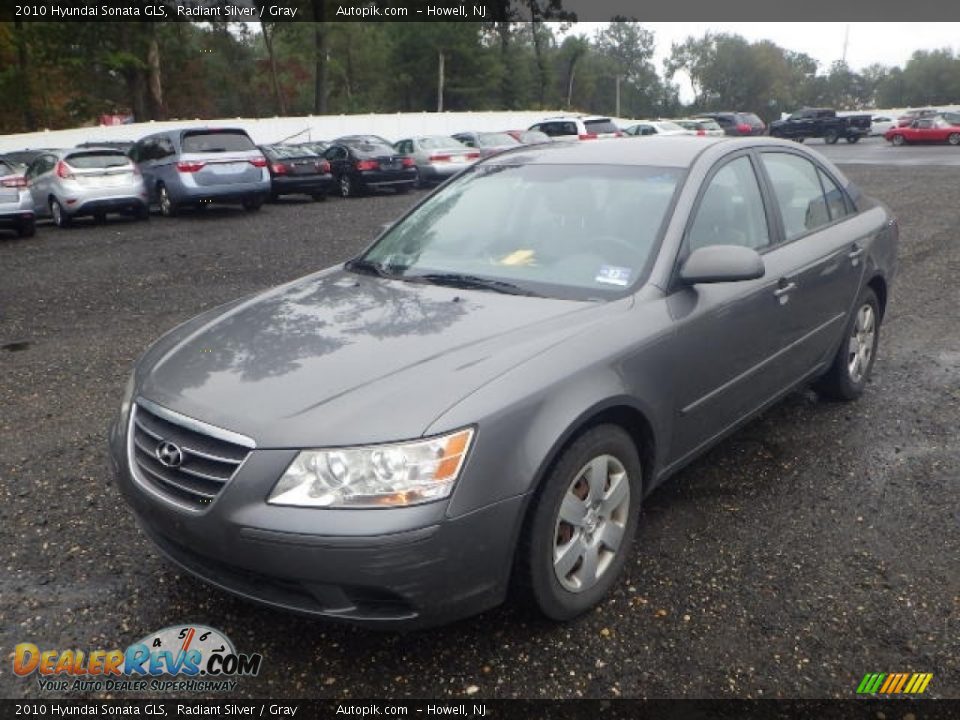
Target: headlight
127 399
392 475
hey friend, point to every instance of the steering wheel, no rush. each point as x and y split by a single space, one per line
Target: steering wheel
612 247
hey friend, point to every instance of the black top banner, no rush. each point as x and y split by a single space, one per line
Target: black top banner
474 10
493 709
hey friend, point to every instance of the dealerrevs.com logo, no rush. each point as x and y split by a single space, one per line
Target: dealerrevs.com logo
181 658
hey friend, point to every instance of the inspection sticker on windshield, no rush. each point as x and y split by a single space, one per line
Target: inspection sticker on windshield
613 275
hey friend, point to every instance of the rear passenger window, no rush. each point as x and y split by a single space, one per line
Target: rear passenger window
799 194
837 204
731 210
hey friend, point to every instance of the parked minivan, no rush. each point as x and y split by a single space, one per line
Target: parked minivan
197 166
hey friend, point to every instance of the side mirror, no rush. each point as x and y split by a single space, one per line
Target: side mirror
722 263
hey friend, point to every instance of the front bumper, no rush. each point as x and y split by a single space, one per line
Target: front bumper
392 568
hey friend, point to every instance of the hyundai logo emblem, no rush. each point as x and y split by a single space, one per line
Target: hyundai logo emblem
169 454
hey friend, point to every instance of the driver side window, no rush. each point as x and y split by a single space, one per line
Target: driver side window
731 210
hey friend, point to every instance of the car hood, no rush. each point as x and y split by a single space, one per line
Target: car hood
339 358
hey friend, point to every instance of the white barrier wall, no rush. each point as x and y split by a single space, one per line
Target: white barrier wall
269 130
316 127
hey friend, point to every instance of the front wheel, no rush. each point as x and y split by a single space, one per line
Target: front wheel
348 187
581 529
853 138
168 208
897 140
831 137
953 138
848 375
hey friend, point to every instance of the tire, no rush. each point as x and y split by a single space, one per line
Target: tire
850 370
27 228
60 217
252 204
319 197
348 188
274 197
404 188
168 208
852 139
830 137
418 182
897 140
556 556
100 218
141 212
953 138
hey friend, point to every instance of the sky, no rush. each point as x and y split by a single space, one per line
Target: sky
869 42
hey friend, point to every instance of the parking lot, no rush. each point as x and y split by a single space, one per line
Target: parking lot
817 544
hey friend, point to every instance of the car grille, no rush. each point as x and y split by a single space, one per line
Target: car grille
206 463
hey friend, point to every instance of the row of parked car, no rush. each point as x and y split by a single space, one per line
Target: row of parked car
194 167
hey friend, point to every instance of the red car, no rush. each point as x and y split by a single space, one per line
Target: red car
932 129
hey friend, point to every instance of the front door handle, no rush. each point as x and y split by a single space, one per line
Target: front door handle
855 254
784 288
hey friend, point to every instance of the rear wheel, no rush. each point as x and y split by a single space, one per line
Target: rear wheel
404 188
848 375
319 197
100 218
141 212
897 140
953 138
853 138
581 529
60 217
252 204
168 208
27 228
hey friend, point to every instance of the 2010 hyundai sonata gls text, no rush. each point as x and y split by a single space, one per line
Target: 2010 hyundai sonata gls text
486 394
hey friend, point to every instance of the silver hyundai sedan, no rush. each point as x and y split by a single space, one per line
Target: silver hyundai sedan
485 395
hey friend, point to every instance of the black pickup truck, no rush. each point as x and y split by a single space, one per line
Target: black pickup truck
821 123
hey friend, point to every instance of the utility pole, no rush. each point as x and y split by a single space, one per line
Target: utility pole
846 42
619 77
440 82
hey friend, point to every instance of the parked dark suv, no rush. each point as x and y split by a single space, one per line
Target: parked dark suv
738 123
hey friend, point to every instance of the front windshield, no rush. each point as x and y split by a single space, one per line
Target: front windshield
581 231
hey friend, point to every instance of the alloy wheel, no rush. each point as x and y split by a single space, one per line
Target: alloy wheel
860 346
591 523
166 206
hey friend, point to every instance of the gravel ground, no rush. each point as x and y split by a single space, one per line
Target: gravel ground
818 544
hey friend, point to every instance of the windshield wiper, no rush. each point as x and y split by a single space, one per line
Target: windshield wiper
368 268
474 282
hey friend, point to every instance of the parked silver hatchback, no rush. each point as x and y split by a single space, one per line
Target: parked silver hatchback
66 184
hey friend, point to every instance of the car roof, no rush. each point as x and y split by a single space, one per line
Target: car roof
678 151
574 117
